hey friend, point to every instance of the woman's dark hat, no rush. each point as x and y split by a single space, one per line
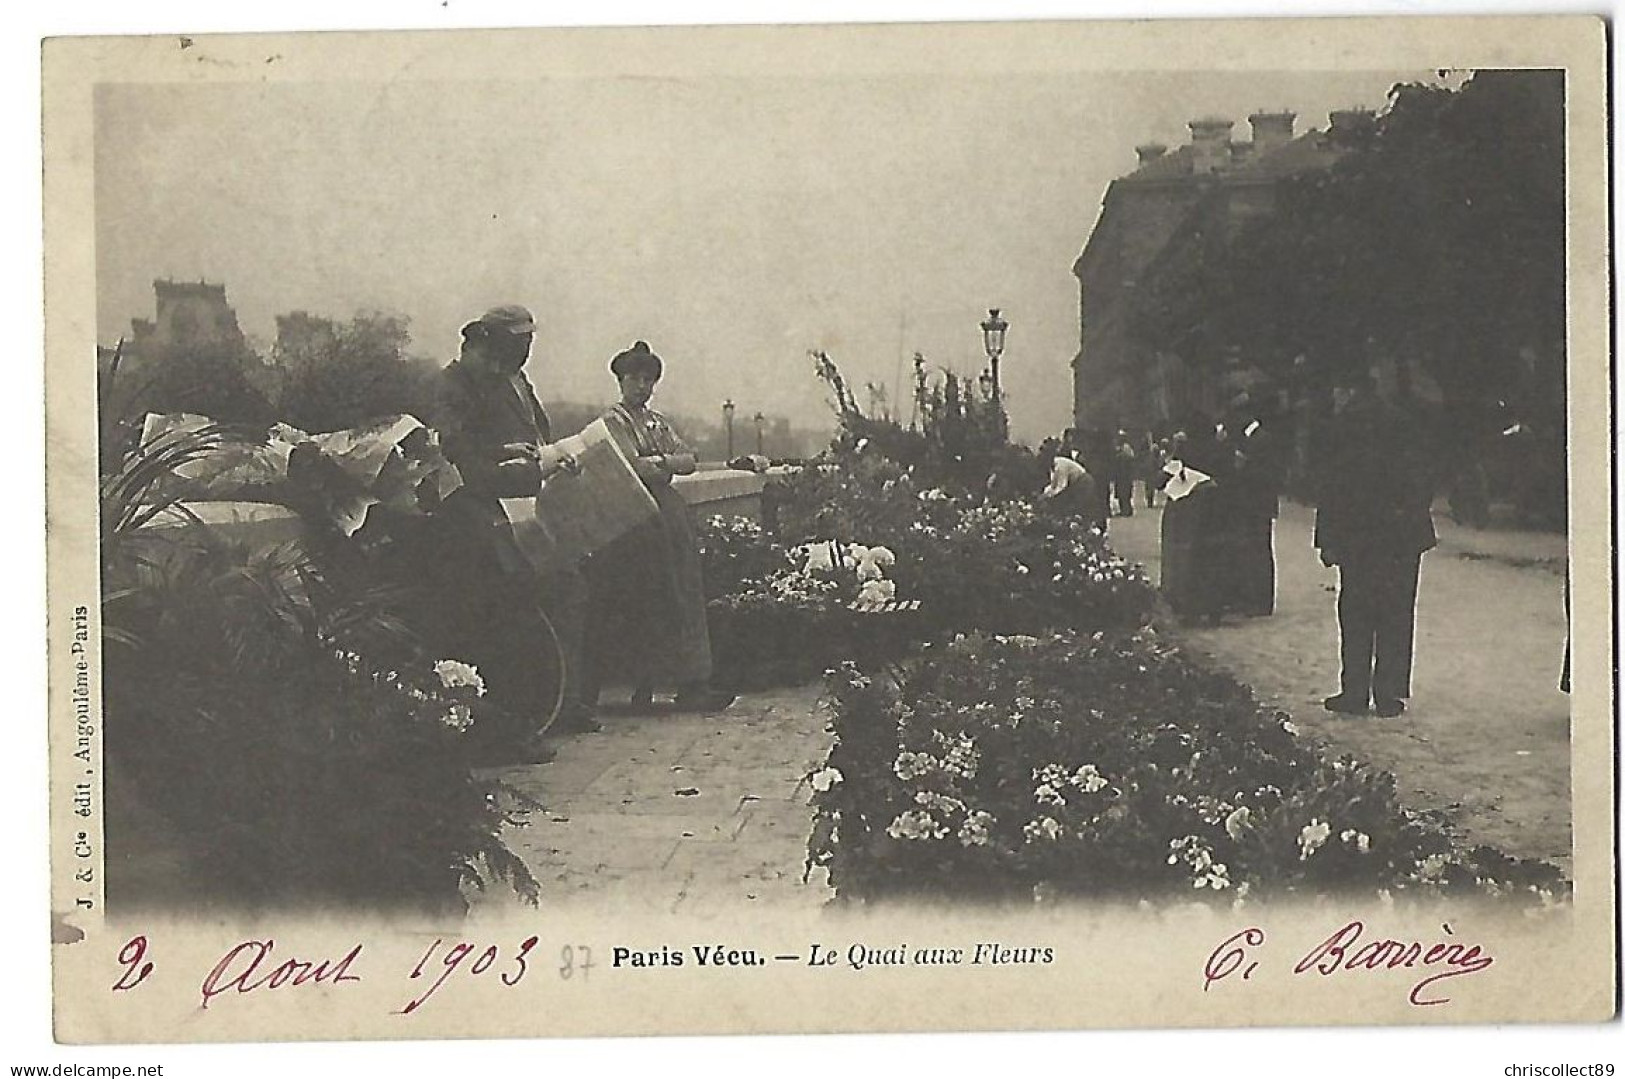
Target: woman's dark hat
638 359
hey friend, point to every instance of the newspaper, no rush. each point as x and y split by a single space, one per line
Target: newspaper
577 513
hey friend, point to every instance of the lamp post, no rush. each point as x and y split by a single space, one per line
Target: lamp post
993 330
728 422
760 419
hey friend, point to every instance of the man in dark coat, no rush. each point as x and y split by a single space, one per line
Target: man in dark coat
1253 502
1374 523
496 609
1123 467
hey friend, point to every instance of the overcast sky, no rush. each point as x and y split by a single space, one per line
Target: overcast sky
733 223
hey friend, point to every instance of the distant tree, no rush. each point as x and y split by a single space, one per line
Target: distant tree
214 379
338 375
569 417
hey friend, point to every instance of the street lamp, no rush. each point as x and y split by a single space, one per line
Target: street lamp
993 330
760 419
728 422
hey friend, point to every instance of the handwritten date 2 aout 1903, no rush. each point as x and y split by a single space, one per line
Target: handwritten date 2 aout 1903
255 967
1350 951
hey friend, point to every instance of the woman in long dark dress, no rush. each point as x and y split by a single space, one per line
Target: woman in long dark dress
647 622
1191 524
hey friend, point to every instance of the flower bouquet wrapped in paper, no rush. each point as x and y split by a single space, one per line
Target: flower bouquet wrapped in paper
338 476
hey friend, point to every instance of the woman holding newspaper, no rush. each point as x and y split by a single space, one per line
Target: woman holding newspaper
648 595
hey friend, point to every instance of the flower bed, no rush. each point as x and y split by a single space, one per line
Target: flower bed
1108 765
959 564
791 614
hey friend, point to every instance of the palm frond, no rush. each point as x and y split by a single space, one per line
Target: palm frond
146 483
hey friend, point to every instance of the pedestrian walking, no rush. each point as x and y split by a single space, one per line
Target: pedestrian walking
1154 458
1252 503
1373 523
1193 574
1123 472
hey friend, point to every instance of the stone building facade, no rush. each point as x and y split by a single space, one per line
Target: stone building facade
190 314
1152 217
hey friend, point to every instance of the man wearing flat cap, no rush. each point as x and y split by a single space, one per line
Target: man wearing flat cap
494 429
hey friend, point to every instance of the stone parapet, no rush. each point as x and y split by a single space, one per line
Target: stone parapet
731 492
727 491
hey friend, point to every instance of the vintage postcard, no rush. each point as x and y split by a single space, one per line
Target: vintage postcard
1078 525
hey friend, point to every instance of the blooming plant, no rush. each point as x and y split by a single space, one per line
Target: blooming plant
736 551
1108 764
332 779
819 604
871 535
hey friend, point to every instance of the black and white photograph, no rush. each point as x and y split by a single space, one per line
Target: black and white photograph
732 493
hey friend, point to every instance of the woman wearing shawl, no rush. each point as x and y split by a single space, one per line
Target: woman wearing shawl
1190 526
648 596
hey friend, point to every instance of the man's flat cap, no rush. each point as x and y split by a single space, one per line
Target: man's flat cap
509 318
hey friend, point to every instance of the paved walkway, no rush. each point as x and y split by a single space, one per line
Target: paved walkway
681 814
1487 736
699 815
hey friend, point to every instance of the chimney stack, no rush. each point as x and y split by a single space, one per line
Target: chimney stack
1149 152
1210 144
1271 129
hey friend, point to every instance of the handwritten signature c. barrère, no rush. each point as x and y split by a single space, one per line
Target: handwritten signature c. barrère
1348 951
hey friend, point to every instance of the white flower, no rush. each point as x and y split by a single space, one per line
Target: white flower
825 779
1088 779
877 593
1043 828
1198 856
455 674
960 756
1361 841
1047 795
915 824
939 802
1311 838
459 718
1238 822
909 765
1053 774
974 832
